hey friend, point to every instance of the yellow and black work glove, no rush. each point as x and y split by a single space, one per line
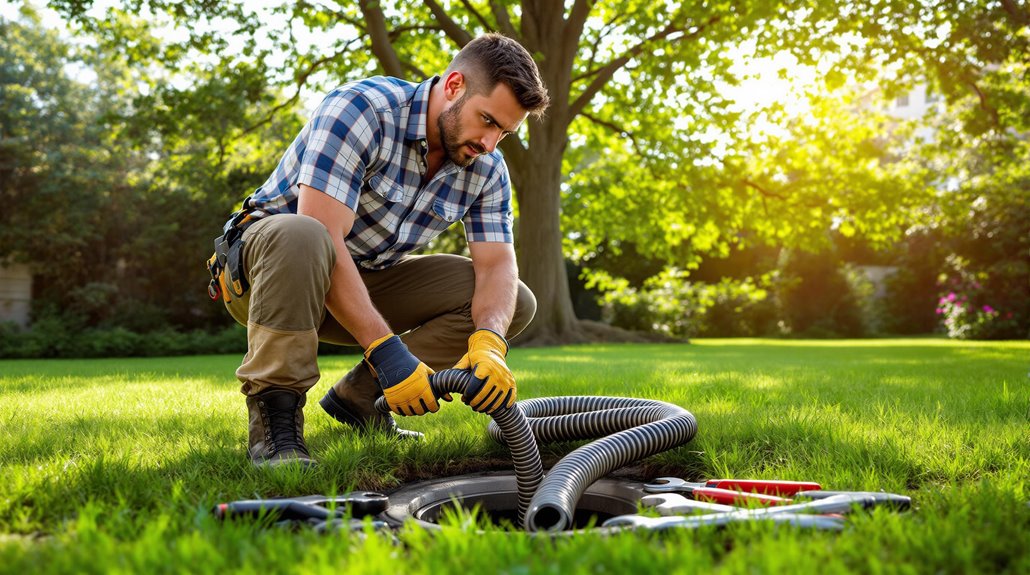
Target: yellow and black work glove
402 377
493 385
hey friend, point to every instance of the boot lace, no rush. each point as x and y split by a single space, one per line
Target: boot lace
284 430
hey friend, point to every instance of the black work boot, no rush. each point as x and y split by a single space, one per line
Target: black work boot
277 428
351 401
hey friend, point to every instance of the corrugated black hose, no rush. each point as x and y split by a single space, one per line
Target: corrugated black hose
628 428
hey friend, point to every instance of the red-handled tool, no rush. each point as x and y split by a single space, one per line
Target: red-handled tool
730 497
764 486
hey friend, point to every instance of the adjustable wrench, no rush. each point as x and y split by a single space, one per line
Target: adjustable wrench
673 504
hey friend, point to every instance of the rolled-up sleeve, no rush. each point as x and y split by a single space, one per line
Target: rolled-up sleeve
490 218
342 140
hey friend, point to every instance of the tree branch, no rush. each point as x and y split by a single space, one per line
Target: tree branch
767 193
300 83
608 71
601 34
382 49
969 80
572 31
396 32
1018 15
763 191
617 129
450 27
360 25
504 20
417 73
965 73
271 114
514 154
482 21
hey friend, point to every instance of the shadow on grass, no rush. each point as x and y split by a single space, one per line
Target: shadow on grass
216 371
47 482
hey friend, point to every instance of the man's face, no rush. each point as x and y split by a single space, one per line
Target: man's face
474 124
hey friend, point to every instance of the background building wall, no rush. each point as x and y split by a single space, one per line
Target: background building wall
15 294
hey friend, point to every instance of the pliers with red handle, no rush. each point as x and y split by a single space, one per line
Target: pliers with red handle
733 491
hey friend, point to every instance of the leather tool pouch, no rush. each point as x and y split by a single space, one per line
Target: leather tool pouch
226 264
237 280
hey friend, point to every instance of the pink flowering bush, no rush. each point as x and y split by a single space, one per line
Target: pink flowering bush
964 308
964 320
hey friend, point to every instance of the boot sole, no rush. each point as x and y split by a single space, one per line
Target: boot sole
333 405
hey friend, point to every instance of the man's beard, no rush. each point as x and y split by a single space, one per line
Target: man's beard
449 124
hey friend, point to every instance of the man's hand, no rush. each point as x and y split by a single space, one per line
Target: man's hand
402 377
493 385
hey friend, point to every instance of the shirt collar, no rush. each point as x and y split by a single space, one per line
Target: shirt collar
419 110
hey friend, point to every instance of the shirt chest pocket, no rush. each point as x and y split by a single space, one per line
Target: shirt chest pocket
449 211
386 188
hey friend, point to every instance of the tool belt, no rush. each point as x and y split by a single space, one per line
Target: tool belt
226 264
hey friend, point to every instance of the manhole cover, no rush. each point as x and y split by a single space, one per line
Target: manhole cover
496 496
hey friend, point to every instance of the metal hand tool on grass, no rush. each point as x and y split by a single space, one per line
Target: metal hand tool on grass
358 503
349 525
709 492
842 503
892 500
674 504
763 486
821 522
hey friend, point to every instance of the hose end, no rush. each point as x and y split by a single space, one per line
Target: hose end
547 517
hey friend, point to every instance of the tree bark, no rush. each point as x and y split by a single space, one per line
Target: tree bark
541 262
537 182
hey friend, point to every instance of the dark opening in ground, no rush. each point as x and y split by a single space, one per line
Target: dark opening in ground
501 509
496 497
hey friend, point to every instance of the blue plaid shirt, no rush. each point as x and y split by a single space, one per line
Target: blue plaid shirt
366 146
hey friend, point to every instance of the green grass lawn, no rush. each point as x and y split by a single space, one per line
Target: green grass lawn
113 465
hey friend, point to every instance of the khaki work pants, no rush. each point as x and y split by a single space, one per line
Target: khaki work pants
288 259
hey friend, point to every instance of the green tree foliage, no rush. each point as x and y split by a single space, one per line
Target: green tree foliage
61 172
848 170
116 181
641 146
622 67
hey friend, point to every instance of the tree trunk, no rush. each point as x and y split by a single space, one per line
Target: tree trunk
541 262
537 178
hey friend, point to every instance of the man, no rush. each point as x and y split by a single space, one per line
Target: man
381 168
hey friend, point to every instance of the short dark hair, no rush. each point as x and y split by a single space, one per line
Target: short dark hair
493 58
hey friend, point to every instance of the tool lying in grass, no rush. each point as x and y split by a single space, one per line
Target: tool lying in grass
674 504
821 522
714 492
891 500
356 505
763 486
840 503
356 525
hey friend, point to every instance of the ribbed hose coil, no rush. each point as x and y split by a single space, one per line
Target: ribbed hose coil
511 424
634 429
